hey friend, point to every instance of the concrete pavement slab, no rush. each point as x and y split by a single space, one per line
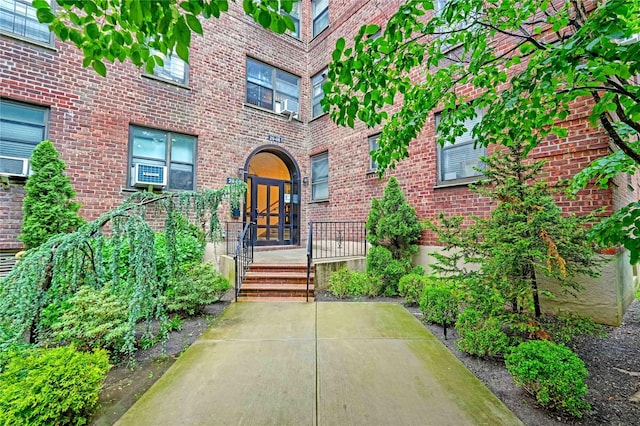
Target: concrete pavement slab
318 364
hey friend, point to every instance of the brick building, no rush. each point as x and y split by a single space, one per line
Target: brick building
247 106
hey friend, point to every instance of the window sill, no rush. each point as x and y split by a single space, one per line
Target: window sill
164 80
325 201
323 31
318 117
457 182
48 46
269 111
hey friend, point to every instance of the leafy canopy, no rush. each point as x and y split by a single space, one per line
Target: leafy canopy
144 31
522 63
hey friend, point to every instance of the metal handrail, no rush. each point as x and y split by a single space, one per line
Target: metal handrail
243 254
339 239
309 256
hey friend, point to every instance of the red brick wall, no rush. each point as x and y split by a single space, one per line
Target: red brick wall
91 115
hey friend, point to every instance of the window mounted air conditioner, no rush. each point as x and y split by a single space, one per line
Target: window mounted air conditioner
145 175
14 166
287 107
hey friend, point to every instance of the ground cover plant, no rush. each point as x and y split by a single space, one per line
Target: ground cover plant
347 283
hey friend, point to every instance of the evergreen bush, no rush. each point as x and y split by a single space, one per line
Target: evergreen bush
439 301
481 335
198 285
552 373
347 283
58 386
93 319
411 286
380 263
47 206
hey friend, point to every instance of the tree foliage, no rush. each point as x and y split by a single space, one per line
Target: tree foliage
522 63
525 235
47 205
55 270
145 31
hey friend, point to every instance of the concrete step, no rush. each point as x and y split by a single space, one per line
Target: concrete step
278 267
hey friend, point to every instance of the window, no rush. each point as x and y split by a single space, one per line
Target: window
457 161
159 148
271 88
18 17
320 177
22 127
320 12
295 16
373 145
316 82
174 68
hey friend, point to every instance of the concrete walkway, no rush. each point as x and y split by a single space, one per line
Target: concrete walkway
318 364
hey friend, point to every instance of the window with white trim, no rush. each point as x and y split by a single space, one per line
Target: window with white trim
295 17
271 88
22 127
173 68
175 151
320 177
320 15
373 145
317 93
457 161
18 17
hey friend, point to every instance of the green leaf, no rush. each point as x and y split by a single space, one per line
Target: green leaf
264 18
45 16
340 44
183 52
194 24
40 4
99 67
183 32
92 31
372 29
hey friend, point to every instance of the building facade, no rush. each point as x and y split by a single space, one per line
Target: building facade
245 107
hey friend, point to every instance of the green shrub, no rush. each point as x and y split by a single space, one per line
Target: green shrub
439 301
47 205
380 263
58 386
410 287
480 335
93 319
198 285
346 283
552 373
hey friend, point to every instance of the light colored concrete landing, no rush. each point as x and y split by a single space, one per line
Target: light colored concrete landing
318 364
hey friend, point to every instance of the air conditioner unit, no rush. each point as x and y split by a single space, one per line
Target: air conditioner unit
145 175
14 166
287 107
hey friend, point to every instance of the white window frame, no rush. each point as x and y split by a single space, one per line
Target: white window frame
466 173
317 81
373 145
277 95
166 71
29 19
322 180
28 144
318 15
168 161
295 16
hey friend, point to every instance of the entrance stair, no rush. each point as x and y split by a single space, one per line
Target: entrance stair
276 282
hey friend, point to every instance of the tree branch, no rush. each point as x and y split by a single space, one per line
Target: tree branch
615 137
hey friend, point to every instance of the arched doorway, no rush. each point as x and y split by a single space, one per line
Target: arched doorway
273 196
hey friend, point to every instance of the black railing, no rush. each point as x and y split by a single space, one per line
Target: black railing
309 256
232 230
337 239
243 254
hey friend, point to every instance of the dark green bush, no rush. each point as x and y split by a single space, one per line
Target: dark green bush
380 263
481 335
198 285
93 319
410 287
346 283
58 386
439 301
552 373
